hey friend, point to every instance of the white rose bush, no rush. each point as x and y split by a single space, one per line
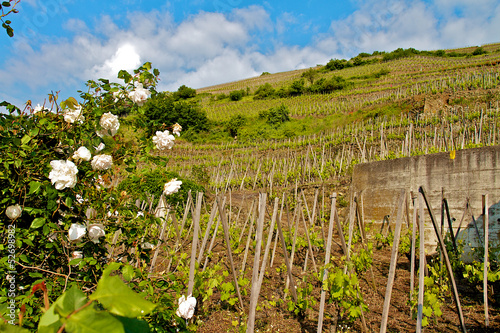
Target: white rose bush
58 163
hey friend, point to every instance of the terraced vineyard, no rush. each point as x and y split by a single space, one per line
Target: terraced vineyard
436 104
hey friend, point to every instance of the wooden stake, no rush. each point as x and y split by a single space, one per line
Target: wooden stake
394 259
225 226
447 261
485 267
327 260
421 270
255 290
196 222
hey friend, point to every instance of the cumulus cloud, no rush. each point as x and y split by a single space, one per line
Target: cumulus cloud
387 25
211 48
126 57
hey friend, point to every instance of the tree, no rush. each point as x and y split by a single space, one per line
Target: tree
184 93
479 51
264 91
164 109
276 116
310 75
297 87
235 123
236 95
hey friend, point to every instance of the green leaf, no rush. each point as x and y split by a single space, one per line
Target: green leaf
7 328
119 299
133 325
75 262
37 223
89 320
68 302
68 202
34 187
128 272
34 131
26 138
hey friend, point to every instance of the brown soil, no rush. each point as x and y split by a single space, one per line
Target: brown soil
217 316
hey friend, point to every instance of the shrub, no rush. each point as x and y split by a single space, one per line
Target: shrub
276 116
148 183
236 95
264 91
297 87
184 93
235 123
337 64
162 110
310 75
479 51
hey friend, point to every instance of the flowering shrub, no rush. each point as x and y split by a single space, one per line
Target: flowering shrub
56 193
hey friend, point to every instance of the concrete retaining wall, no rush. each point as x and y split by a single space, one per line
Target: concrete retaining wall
471 174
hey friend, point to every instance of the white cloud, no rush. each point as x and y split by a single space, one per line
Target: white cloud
210 48
125 58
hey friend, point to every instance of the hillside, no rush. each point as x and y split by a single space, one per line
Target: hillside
421 104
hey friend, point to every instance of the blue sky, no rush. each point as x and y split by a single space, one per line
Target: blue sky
60 44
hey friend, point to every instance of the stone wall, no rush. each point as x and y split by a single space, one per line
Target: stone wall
471 173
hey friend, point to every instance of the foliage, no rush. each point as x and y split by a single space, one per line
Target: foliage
479 51
345 292
324 86
310 75
145 184
36 142
363 259
10 7
237 95
264 91
337 64
296 88
184 93
163 110
305 299
435 291
276 116
73 311
235 123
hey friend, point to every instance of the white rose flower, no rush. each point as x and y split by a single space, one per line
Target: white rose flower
102 162
172 186
76 255
96 231
100 147
40 108
139 95
76 231
163 140
109 123
186 307
177 129
82 154
63 174
13 212
72 115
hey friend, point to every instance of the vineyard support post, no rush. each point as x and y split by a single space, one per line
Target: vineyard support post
394 259
327 260
447 261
